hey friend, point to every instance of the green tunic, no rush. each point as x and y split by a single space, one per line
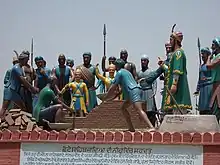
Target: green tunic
216 81
177 65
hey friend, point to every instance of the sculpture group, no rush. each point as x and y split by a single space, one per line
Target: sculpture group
51 94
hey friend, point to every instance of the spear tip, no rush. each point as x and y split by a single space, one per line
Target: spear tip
104 30
198 42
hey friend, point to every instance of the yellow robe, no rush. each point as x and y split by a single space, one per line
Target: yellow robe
79 91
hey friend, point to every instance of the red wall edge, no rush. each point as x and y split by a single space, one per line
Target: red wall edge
10 142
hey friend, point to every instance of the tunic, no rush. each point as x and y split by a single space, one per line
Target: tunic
204 87
129 86
177 66
92 93
215 99
42 80
6 84
79 91
14 92
148 90
46 96
63 75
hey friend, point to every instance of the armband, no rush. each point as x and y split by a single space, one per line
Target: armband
164 66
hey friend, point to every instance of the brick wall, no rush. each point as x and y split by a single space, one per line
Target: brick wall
109 116
10 141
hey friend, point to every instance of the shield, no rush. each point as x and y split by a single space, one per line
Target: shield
87 76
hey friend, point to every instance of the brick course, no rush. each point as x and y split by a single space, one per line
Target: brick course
10 141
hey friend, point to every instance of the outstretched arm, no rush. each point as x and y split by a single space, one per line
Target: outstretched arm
212 64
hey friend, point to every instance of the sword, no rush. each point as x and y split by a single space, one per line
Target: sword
174 100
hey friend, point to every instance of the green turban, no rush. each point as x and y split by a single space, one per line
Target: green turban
119 63
206 50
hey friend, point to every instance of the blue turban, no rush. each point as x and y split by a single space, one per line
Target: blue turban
119 63
206 50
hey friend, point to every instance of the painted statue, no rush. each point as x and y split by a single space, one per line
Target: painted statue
176 78
130 66
213 64
30 76
149 90
42 76
48 106
132 93
100 83
108 79
88 75
17 80
70 63
7 82
79 95
204 85
63 74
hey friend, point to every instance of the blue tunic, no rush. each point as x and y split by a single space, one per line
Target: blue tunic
128 84
204 87
42 80
15 84
6 85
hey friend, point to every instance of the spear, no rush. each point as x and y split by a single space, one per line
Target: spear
104 35
172 30
199 49
32 52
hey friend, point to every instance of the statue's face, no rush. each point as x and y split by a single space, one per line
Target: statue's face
78 75
124 56
40 63
204 56
144 62
168 49
62 61
86 60
111 69
70 64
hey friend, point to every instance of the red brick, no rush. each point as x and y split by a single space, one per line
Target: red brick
99 136
44 135
187 137
166 137
216 137
147 137
157 137
25 135
16 135
71 135
118 136
62 135
109 136
197 138
6 135
53 135
128 137
138 137
34 135
90 136
177 137
80 136
207 137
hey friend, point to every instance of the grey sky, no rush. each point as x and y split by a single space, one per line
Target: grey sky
75 26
